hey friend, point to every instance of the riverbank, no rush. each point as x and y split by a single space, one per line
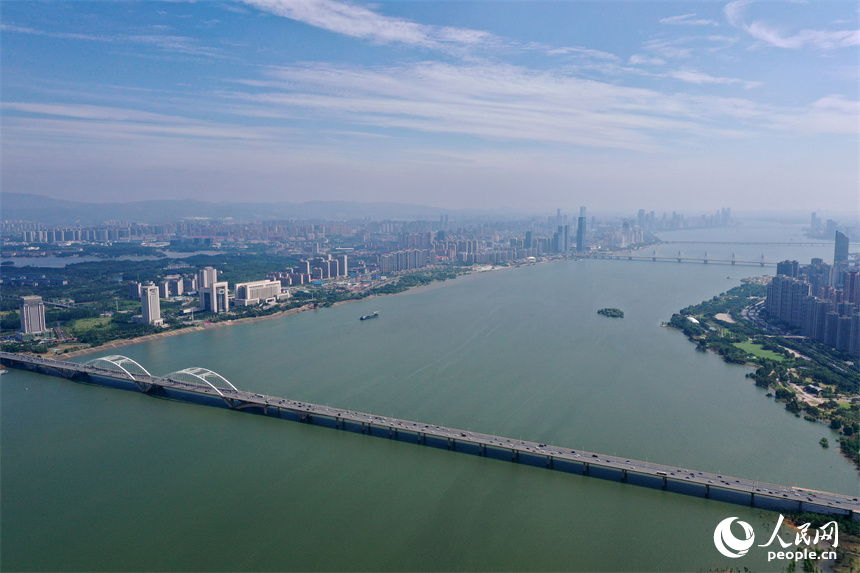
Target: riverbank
188 329
129 341
810 381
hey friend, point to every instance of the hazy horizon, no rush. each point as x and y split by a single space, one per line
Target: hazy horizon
680 106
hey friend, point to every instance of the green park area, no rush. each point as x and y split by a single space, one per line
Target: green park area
759 351
814 381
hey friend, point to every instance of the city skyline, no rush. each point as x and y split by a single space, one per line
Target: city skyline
680 105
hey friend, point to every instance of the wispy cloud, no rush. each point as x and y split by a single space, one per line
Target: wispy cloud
688 20
494 102
165 42
362 22
640 59
586 52
820 39
831 114
699 78
89 122
677 48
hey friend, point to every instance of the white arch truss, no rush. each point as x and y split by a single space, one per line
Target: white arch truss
204 375
122 363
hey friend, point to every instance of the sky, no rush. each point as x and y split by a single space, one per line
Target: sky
531 106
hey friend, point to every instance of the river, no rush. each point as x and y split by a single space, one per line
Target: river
101 479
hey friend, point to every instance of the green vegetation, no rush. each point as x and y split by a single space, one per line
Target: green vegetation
415 279
611 312
101 310
825 443
808 378
759 351
848 550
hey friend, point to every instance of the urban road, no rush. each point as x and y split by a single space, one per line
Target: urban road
710 485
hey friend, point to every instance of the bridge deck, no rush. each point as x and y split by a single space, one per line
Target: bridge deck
673 478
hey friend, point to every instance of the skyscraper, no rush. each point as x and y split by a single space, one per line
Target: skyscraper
580 231
150 304
32 314
840 253
787 268
207 277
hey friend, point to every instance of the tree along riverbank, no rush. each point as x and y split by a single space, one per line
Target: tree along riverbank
97 333
810 379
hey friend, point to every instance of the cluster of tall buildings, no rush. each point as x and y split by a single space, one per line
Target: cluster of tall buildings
821 300
649 221
214 295
405 260
313 269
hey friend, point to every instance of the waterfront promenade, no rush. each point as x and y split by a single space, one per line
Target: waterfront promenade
201 385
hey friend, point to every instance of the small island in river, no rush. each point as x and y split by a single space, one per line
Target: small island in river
611 312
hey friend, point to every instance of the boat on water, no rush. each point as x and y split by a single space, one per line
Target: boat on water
369 316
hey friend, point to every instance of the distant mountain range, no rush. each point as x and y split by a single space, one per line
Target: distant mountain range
49 211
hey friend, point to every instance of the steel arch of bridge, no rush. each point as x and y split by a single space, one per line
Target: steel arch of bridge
122 363
198 374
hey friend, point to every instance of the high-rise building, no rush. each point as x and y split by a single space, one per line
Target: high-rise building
150 304
580 231
208 276
213 294
32 311
217 297
840 252
343 270
787 268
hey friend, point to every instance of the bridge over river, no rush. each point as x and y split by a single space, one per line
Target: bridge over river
204 386
680 258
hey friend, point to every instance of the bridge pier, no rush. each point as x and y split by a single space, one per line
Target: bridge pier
241 400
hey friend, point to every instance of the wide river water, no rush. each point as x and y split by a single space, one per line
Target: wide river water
95 478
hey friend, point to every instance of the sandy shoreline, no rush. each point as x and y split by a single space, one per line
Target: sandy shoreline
186 330
129 341
189 329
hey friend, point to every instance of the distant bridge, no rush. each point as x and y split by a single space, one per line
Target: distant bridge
680 258
199 382
771 244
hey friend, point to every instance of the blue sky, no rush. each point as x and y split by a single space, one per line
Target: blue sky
521 105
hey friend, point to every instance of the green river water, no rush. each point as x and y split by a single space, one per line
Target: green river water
101 479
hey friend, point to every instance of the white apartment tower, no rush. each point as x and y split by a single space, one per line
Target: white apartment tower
150 304
32 314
